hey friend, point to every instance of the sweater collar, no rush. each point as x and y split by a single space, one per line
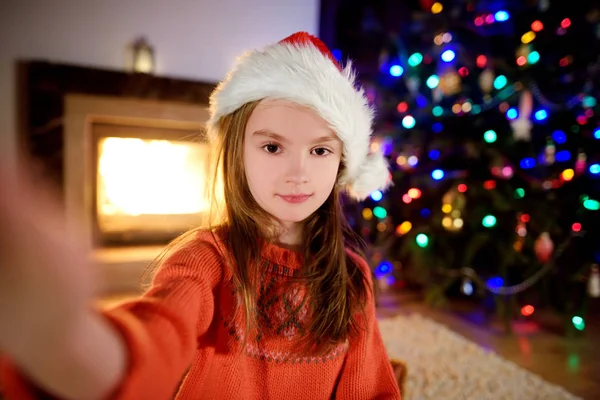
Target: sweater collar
281 256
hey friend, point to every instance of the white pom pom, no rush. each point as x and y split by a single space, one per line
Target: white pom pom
372 175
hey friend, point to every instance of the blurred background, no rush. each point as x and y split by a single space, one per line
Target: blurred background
486 110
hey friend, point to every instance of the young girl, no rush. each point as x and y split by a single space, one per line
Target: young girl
270 301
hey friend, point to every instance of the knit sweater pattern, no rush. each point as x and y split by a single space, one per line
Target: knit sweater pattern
185 337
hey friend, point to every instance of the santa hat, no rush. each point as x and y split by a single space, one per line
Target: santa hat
301 69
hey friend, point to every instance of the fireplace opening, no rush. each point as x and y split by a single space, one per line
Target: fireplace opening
150 184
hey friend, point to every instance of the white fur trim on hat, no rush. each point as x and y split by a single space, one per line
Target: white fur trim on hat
300 72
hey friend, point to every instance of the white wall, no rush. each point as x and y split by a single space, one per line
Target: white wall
197 39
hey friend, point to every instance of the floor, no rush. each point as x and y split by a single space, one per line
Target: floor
573 363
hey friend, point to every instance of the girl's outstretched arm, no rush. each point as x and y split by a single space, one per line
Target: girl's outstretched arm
160 332
57 344
87 364
46 284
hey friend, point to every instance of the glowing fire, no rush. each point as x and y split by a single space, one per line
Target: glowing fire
151 177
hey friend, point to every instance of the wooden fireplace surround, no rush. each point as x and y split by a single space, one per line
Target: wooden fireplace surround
42 88
57 104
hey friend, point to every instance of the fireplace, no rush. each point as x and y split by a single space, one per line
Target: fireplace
129 153
149 184
135 176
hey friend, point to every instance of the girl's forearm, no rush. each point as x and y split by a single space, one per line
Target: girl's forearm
88 362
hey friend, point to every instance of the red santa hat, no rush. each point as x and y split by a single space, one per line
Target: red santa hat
301 69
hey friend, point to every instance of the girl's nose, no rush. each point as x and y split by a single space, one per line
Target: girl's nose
296 169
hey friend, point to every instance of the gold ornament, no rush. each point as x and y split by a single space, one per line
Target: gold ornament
453 204
455 199
450 83
486 80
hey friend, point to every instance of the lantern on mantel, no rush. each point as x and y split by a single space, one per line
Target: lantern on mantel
143 57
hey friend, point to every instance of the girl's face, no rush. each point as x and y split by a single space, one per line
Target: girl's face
291 158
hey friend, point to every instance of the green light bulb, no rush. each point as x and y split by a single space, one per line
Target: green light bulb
489 221
490 136
422 240
578 323
380 212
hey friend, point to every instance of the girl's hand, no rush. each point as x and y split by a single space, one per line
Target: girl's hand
46 280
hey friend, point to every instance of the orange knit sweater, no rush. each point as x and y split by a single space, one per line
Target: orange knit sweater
184 341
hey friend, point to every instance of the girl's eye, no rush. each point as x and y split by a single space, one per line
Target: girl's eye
321 151
271 148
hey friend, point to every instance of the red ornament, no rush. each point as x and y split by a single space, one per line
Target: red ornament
543 247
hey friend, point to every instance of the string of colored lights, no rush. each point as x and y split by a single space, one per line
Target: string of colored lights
509 168
506 94
467 272
568 105
548 183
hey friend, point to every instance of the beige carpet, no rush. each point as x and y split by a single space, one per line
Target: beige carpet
444 365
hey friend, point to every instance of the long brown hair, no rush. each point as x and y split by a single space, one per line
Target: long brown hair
335 287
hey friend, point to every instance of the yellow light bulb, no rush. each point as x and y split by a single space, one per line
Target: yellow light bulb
568 174
528 37
403 228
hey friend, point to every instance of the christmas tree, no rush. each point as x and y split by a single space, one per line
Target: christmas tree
487 111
